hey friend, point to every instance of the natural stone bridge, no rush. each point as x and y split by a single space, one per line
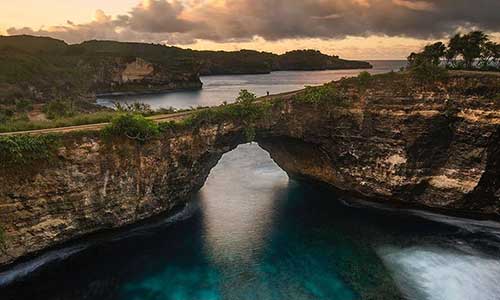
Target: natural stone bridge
432 147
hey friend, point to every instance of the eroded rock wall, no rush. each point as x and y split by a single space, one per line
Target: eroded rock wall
431 147
96 185
137 75
425 147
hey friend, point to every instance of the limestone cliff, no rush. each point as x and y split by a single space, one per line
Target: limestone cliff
432 146
400 143
95 185
42 69
137 75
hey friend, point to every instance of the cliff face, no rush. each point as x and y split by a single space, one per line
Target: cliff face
95 185
137 75
391 141
434 148
43 69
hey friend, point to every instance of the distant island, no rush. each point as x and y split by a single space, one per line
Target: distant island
254 62
42 69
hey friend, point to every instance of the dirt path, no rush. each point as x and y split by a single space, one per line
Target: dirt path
157 118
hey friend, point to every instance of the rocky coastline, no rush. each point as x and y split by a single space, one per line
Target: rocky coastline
393 141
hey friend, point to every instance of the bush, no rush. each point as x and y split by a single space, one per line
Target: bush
134 108
6 115
427 72
132 126
321 94
244 112
24 105
16 151
364 79
58 109
245 97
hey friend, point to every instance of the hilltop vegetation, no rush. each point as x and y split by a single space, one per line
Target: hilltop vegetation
254 62
59 81
44 68
470 51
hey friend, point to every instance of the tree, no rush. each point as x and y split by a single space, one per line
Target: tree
455 47
132 126
464 51
490 55
473 43
245 97
434 52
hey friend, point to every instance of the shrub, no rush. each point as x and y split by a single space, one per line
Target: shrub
364 79
245 97
5 115
57 109
16 151
135 108
24 105
321 94
427 72
245 111
132 126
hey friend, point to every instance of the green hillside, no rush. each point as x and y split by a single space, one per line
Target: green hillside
42 69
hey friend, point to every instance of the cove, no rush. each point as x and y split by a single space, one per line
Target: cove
220 88
252 233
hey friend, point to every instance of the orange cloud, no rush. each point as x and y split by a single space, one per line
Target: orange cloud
415 5
272 23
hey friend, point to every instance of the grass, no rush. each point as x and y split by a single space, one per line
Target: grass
83 119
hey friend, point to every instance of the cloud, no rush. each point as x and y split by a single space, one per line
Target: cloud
183 22
159 16
415 5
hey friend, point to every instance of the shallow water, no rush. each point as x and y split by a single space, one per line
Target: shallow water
217 89
251 233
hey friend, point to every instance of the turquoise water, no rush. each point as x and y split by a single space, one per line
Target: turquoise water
217 89
252 233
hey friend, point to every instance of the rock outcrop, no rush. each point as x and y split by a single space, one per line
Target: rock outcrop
42 69
139 76
392 141
429 147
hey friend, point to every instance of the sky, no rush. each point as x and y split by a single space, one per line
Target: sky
354 29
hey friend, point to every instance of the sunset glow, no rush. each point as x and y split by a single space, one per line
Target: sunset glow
358 29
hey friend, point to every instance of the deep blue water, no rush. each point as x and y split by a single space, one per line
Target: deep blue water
217 89
252 233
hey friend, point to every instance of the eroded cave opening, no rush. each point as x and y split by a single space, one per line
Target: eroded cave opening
252 231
